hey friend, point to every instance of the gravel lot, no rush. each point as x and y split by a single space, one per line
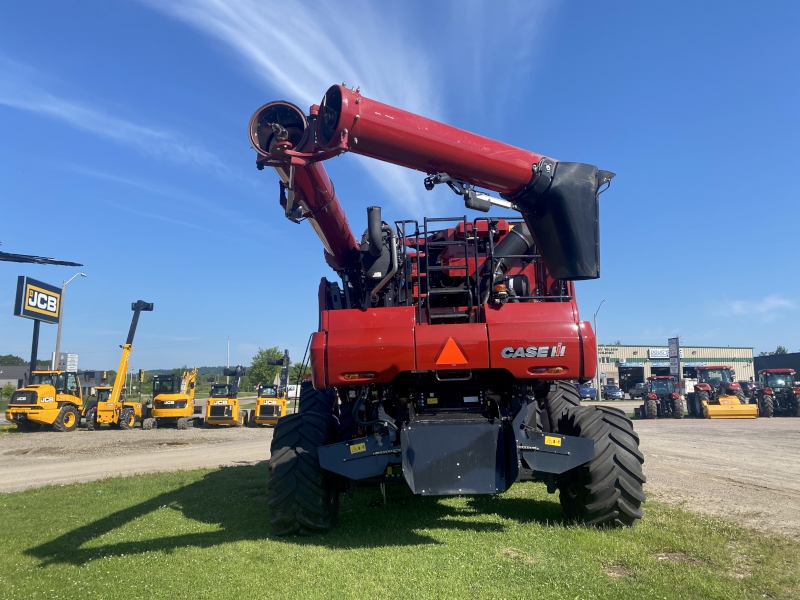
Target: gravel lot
748 470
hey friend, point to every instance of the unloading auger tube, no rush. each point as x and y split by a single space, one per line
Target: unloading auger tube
558 200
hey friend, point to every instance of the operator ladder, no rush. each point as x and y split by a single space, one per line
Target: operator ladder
458 314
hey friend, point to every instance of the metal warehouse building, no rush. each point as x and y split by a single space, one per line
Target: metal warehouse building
628 365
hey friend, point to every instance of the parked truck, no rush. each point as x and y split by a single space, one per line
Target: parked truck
446 348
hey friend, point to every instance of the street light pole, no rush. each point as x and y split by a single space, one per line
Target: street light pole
597 353
54 362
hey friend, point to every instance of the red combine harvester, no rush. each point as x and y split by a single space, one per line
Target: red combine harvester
445 356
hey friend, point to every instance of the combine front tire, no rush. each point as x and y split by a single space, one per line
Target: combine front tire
606 491
301 495
561 397
313 401
766 407
67 419
677 409
651 409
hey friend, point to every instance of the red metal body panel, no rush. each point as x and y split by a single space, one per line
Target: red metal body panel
317 360
377 340
471 339
776 371
392 135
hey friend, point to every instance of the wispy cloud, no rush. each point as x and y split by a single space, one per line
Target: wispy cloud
766 309
18 89
363 45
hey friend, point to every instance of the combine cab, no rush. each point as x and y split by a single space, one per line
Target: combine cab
778 393
718 396
661 399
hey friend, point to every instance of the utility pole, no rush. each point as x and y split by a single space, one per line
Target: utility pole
597 338
228 360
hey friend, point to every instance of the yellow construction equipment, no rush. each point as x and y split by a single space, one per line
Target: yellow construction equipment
111 407
271 400
173 401
718 396
50 398
222 406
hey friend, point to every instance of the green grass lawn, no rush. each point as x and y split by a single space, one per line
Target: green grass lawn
205 534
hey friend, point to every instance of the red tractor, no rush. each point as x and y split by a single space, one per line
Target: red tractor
661 399
778 393
718 396
446 349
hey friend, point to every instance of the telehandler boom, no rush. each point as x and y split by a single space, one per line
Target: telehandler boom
111 409
445 354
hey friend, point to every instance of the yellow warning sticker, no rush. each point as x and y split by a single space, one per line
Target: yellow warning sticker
432 401
356 448
550 440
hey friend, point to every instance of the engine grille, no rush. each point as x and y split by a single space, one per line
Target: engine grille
24 398
221 411
269 411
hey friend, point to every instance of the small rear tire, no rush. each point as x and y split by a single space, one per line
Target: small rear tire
608 490
766 408
127 419
651 409
699 398
677 408
67 419
27 426
148 423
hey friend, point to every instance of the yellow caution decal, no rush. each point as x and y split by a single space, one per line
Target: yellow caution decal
356 448
550 440
432 400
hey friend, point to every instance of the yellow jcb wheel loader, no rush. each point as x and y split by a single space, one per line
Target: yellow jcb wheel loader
717 396
271 400
51 398
173 401
222 406
111 408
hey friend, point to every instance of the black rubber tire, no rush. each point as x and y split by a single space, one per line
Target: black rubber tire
794 406
651 409
607 491
740 395
91 419
251 419
699 398
127 419
766 408
346 427
148 423
678 408
302 496
60 424
561 397
690 403
182 423
313 401
27 426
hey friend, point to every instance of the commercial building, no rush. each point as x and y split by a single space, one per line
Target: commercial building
16 376
626 365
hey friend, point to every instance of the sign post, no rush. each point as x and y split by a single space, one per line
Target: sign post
38 301
674 359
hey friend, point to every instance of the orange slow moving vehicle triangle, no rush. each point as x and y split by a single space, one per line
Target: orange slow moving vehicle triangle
451 354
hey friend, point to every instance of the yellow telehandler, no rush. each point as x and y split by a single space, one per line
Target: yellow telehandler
173 401
222 406
50 398
271 400
111 407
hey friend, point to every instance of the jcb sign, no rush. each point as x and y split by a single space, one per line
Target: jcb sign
37 300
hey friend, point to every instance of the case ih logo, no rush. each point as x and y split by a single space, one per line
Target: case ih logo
534 351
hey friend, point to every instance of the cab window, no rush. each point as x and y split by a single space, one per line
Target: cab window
72 384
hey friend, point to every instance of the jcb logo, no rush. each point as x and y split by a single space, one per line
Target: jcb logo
40 301
534 351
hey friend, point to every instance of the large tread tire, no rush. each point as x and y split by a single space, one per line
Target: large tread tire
740 395
561 397
67 419
699 398
794 407
148 423
766 408
182 423
302 497
127 419
91 419
678 408
313 401
651 409
607 491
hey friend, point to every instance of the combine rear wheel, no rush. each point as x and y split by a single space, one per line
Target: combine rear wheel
302 497
677 408
766 408
606 491
650 409
67 419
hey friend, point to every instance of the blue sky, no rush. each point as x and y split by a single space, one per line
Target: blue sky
123 146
